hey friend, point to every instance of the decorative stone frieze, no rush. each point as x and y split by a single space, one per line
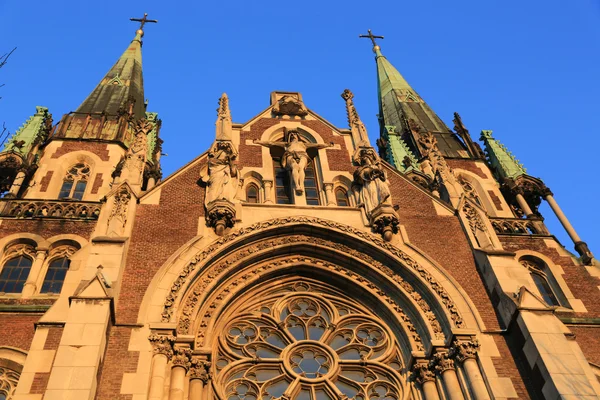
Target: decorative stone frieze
384 221
66 209
218 244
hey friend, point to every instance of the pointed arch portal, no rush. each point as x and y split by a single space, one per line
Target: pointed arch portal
302 308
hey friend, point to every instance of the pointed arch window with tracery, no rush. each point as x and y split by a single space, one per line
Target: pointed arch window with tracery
302 341
75 182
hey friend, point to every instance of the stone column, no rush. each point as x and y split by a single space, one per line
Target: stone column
36 268
17 183
268 185
199 376
426 378
181 364
465 352
163 351
331 201
444 366
580 245
523 204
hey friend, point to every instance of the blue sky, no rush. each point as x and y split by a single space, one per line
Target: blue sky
525 69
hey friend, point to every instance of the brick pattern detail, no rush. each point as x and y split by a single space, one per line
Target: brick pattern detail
495 199
578 279
160 230
251 156
53 338
17 329
339 160
118 361
40 382
47 228
588 338
97 184
45 181
476 167
99 149
513 364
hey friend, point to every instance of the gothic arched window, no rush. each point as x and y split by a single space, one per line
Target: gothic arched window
55 276
311 187
75 182
8 382
341 197
539 273
283 193
252 193
307 342
14 274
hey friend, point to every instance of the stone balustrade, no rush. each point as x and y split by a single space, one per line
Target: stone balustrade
57 209
519 226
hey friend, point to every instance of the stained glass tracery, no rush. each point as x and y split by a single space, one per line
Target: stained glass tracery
302 343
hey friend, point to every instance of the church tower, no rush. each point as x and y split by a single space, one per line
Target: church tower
290 261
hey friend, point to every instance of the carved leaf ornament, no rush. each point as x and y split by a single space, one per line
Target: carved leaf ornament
306 342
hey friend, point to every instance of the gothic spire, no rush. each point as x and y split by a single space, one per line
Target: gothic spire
122 88
503 162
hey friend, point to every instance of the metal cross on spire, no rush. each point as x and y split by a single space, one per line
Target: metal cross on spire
143 21
372 37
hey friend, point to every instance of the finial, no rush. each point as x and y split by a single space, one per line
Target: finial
376 48
142 21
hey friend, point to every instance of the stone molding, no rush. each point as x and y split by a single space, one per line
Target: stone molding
220 243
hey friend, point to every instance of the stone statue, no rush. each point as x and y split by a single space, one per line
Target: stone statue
222 175
370 181
295 157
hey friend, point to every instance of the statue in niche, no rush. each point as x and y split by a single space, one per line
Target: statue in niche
370 181
221 176
295 157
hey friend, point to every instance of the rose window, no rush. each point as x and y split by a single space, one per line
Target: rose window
307 343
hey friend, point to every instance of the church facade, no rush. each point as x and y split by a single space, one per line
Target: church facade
294 259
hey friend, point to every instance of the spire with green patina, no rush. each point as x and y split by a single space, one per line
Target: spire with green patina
122 88
403 114
503 162
32 132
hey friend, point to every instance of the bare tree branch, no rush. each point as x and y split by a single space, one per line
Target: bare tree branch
3 60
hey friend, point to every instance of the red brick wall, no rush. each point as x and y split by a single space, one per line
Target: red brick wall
100 149
17 329
495 199
40 379
158 231
118 361
580 282
588 338
47 228
97 183
45 181
469 165
251 156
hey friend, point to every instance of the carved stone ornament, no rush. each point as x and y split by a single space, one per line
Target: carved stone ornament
289 105
463 350
221 174
384 221
215 270
442 362
200 370
118 215
473 218
162 344
220 215
182 357
359 131
422 373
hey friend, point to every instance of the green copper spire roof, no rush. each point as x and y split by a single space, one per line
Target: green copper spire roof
122 83
397 152
397 98
29 134
503 161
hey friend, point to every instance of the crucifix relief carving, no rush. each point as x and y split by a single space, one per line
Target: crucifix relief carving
295 158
